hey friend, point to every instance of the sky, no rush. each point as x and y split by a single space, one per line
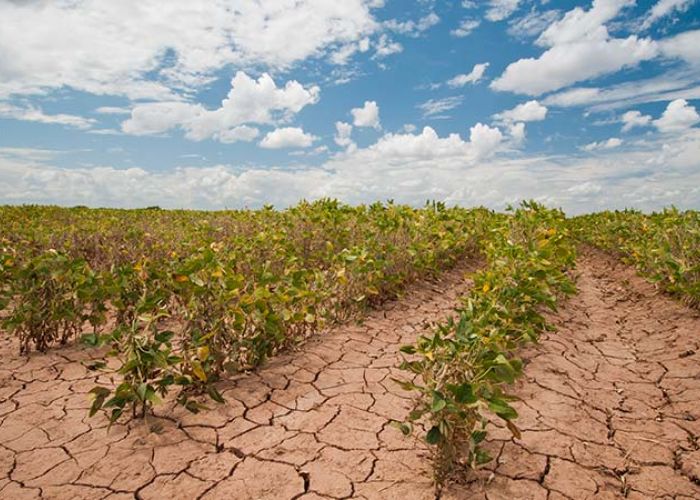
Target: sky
216 104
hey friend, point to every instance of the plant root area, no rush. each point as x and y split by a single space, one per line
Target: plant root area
609 408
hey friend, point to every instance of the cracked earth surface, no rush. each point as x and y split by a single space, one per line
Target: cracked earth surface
310 424
610 402
609 409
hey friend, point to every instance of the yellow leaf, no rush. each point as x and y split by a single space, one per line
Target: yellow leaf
203 353
429 355
199 372
181 278
218 273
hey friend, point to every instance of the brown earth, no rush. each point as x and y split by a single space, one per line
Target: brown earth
610 402
609 408
310 424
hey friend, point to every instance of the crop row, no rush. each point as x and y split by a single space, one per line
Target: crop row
462 371
182 298
663 246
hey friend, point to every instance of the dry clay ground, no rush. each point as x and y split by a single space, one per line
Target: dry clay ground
609 408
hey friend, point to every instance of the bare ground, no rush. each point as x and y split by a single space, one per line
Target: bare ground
609 408
310 424
610 402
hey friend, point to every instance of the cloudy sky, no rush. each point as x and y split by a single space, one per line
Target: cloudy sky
237 103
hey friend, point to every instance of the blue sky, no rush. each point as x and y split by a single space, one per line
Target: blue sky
237 103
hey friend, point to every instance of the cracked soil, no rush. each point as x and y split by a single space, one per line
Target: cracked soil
609 409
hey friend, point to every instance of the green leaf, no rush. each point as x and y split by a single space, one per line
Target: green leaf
215 395
433 436
502 409
439 402
464 394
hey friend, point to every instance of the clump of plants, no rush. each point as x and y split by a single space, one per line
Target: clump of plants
462 371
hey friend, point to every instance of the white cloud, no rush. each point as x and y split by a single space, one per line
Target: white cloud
113 110
664 8
579 24
683 46
499 10
433 107
249 101
474 76
409 169
563 65
678 116
579 48
634 118
34 114
287 137
386 47
530 111
100 47
612 143
412 28
666 87
242 133
343 133
517 132
367 115
532 23
465 28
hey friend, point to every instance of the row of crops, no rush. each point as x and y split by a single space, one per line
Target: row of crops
461 372
663 246
182 298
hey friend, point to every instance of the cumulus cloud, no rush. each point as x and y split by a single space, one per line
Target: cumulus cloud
409 168
242 133
634 118
249 101
367 115
472 77
343 133
49 45
563 65
530 111
612 143
465 28
287 137
678 116
579 48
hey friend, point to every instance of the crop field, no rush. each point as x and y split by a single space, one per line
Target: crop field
335 351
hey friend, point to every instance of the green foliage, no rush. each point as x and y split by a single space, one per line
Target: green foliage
463 369
664 246
50 297
235 287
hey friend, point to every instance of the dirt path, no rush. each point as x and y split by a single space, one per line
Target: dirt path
311 424
611 402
